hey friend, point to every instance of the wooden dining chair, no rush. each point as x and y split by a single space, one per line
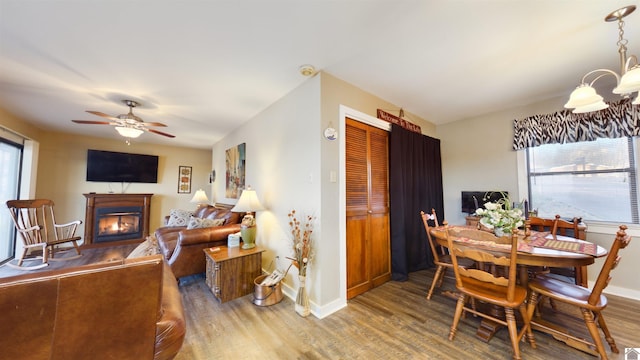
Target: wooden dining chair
590 302
487 287
441 257
36 225
558 226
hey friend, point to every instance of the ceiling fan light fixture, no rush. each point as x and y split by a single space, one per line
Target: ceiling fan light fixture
128 132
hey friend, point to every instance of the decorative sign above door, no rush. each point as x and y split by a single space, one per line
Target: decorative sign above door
383 115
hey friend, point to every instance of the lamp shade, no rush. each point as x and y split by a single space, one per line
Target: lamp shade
629 82
200 197
583 95
248 201
600 105
129 131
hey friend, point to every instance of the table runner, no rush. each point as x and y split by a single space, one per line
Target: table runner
537 239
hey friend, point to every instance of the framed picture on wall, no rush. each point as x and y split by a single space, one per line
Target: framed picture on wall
235 163
184 179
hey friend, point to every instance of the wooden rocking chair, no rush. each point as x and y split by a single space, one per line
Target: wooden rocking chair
36 224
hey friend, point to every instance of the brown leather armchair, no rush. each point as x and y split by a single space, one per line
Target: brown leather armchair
183 247
123 309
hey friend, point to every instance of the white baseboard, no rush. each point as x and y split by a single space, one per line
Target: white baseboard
319 312
619 291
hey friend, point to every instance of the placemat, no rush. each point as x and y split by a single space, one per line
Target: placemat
570 246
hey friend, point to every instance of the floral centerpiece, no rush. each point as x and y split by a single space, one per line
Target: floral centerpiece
501 216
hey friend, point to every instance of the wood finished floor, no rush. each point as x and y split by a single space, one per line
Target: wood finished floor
393 321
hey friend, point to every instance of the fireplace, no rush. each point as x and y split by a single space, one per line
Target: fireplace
116 218
118 223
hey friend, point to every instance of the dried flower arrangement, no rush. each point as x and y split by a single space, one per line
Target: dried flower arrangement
302 242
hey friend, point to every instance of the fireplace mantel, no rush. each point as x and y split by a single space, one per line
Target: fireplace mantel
101 201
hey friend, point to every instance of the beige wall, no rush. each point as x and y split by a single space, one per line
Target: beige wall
477 155
17 125
61 171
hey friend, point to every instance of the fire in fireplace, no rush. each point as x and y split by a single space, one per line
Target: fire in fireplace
118 223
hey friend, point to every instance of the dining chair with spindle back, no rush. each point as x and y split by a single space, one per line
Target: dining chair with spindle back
590 302
486 286
441 257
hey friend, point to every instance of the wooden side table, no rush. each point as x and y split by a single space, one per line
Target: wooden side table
231 271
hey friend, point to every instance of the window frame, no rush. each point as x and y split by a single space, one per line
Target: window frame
604 227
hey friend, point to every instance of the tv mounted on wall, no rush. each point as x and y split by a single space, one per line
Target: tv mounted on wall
109 166
472 200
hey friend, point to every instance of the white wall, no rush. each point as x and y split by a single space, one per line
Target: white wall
477 155
289 163
283 166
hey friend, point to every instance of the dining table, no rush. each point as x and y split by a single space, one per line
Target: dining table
535 249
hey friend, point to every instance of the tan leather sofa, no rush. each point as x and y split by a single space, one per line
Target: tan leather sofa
123 309
183 247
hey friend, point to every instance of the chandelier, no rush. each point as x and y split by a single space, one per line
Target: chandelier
584 98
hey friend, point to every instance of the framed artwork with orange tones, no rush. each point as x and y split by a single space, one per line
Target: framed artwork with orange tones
184 179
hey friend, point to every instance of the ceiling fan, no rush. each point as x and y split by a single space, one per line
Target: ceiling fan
127 125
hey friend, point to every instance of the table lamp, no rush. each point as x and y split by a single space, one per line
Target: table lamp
248 203
200 197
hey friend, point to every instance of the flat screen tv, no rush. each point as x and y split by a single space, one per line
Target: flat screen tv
472 200
109 166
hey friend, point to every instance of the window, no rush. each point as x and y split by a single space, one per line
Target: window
594 180
10 158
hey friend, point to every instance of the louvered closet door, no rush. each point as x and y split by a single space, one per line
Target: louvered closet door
367 192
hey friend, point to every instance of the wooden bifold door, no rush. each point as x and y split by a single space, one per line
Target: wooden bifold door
367 207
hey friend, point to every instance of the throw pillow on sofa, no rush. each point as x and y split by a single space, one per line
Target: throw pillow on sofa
196 223
179 217
146 248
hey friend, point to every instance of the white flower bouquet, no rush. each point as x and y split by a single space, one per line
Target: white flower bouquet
501 216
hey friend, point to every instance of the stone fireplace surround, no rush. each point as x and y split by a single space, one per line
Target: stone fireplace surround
97 203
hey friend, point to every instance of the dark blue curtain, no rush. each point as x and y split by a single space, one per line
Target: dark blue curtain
415 184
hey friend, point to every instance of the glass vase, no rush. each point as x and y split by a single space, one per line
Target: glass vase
302 299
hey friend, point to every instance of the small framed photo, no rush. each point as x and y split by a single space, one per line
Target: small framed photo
184 179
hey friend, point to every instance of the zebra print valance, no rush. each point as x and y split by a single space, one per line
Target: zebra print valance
620 119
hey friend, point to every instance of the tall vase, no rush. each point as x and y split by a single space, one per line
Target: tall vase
302 299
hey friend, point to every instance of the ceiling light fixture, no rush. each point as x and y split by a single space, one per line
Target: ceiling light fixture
129 132
307 70
584 98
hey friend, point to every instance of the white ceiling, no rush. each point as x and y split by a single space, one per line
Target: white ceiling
205 67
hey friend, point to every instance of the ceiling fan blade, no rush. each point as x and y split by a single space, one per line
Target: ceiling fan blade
102 114
161 133
93 122
153 124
